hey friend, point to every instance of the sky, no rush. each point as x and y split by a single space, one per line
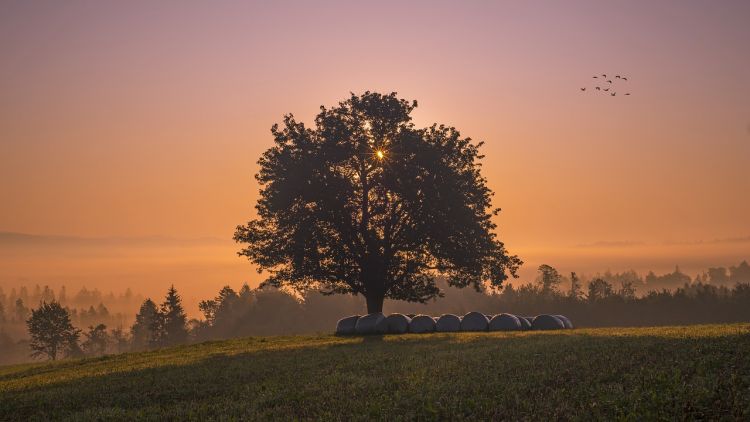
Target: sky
144 120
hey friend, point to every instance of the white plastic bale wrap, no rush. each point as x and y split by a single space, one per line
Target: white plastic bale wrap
474 321
374 323
422 324
346 326
547 322
397 323
505 322
565 320
448 323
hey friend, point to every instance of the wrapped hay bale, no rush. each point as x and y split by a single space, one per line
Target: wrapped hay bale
525 323
422 324
565 321
547 322
346 326
448 323
374 323
504 322
397 323
474 321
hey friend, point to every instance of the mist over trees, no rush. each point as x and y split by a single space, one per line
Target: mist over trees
720 294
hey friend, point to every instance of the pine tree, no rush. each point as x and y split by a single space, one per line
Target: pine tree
21 311
142 330
173 320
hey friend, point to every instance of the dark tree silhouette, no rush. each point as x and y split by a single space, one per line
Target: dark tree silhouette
51 331
97 340
366 203
142 331
599 290
170 327
548 279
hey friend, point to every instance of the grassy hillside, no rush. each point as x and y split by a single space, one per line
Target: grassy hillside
688 372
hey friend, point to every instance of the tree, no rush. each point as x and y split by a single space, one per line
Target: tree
740 273
575 286
548 279
120 341
627 290
51 331
599 289
21 312
366 203
171 327
142 330
718 275
96 341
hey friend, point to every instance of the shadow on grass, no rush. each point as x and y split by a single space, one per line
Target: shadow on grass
303 382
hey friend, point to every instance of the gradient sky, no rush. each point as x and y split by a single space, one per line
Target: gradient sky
133 119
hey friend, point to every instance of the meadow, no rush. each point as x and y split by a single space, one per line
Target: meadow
680 372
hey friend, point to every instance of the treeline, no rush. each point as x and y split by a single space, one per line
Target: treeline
609 299
86 306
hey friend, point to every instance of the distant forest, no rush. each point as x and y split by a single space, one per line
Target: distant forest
607 299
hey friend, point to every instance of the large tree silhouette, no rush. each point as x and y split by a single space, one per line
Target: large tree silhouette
366 203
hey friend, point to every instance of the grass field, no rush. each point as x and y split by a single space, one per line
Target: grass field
624 373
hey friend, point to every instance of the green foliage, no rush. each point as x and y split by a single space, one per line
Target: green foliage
668 373
366 203
51 331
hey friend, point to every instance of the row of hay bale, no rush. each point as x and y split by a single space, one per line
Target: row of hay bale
377 323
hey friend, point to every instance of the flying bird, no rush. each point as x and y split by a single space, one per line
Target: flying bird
627 93
613 94
597 88
604 74
624 78
596 77
610 81
617 76
583 89
606 89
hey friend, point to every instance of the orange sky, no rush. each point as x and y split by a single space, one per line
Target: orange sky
145 119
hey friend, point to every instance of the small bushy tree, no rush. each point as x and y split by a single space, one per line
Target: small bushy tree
51 331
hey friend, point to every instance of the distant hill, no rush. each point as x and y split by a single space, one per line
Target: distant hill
13 238
695 372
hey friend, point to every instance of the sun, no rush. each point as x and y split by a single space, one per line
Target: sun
380 154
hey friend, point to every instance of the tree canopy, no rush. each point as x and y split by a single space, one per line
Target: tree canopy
51 331
366 203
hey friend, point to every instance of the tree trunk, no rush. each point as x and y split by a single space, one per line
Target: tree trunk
374 302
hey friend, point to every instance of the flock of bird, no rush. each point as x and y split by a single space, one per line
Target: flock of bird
605 85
